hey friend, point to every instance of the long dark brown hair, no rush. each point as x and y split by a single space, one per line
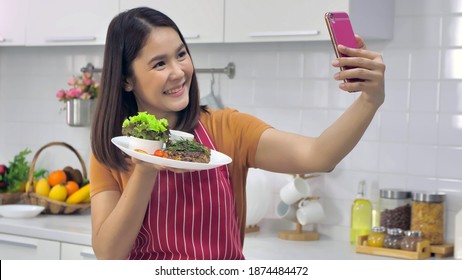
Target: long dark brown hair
126 36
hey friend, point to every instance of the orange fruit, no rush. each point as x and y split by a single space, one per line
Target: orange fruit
71 187
57 177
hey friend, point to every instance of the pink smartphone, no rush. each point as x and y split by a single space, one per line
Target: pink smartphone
341 32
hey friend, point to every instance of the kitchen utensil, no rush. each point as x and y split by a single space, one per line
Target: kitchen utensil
295 190
287 211
20 210
310 212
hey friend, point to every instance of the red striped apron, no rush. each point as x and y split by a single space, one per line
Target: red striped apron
190 215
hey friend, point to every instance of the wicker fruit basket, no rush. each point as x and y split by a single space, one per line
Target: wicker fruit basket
53 206
10 197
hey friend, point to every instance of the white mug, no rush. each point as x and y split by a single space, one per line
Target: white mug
295 190
287 211
310 212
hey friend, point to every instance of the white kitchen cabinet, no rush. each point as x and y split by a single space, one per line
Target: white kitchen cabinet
303 20
200 21
13 22
13 247
57 22
76 252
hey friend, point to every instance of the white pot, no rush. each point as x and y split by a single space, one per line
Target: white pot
149 146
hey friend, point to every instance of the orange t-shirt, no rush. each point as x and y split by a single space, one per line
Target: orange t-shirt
234 133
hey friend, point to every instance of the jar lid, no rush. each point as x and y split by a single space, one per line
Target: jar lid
395 194
378 229
394 231
428 197
412 233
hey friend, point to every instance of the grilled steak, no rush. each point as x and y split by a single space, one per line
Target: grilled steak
187 150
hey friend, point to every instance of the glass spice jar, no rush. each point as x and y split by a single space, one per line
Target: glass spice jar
393 238
376 237
427 216
410 240
395 209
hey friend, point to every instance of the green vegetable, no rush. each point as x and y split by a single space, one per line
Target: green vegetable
187 145
146 126
18 171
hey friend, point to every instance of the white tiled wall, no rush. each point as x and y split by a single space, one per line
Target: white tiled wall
415 141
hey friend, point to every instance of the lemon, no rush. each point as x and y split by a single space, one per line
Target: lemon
42 187
58 192
28 185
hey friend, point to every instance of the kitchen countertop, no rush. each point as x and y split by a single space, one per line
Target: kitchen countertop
263 244
74 228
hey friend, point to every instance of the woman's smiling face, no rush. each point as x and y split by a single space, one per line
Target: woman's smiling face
162 75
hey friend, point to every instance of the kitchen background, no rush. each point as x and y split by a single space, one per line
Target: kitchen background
414 142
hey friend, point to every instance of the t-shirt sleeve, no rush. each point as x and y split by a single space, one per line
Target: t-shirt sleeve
101 178
248 130
237 134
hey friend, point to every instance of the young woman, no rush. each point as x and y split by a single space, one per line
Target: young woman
145 211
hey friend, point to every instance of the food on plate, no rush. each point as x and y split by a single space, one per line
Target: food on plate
160 153
141 151
187 150
146 126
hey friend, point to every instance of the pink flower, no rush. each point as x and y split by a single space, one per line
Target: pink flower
82 87
87 81
61 94
74 93
72 81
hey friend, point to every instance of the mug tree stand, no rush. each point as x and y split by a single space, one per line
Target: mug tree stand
298 234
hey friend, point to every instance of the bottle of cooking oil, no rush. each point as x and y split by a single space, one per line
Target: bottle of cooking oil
361 215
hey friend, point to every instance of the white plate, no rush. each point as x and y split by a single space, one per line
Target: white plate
216 158
20 210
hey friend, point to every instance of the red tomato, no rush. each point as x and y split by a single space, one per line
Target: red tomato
159 153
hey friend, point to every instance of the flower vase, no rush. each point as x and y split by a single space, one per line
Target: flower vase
79 111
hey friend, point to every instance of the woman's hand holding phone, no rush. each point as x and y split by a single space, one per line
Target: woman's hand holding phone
361 64
360 69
